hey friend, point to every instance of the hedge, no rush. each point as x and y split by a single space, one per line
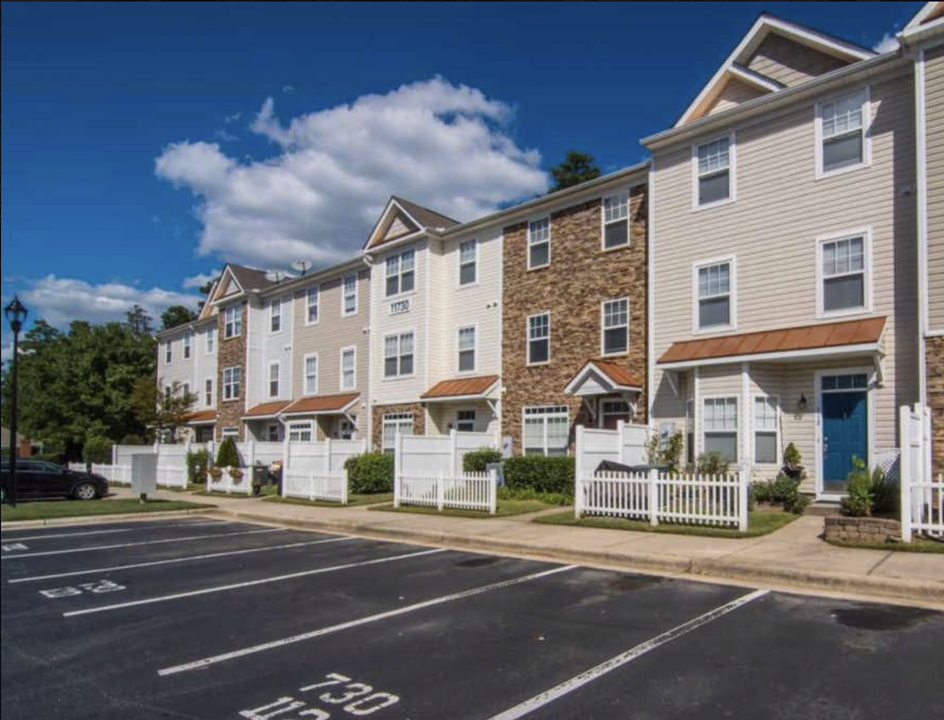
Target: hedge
197 462
478 460
541 474
370 473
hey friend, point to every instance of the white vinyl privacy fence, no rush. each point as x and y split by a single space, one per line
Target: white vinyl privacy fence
112 473
625 445
315 470
232 481
922 495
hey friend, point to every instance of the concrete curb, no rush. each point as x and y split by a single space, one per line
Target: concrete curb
11 525
890 588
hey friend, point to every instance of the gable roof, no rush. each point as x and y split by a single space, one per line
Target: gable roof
401 217
928 13
245 279
736 65
608 376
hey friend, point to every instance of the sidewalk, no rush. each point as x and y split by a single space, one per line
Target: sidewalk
792 557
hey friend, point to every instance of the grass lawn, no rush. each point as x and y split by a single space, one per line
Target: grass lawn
505 508
759 522
371 499
82 508
917 545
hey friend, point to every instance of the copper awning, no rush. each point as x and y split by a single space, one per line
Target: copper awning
266 410
202 417
461 388
322 404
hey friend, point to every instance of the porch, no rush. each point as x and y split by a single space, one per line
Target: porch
465 405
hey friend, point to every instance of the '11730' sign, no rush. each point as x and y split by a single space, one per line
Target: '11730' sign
399 307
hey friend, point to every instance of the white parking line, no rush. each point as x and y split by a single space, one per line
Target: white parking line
249 583
198 664
568 686
189 558
140 542
56 536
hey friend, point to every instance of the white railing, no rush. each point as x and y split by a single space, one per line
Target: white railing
312 485
226 483
922 497
462 491
656 496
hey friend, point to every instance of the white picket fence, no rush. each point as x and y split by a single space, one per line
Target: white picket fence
461 491
922 497
313 485
720 500
226 483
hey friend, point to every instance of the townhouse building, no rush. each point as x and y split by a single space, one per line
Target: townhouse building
186 362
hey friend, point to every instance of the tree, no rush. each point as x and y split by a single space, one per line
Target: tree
205 291
166 411
176 315
574 169
139 321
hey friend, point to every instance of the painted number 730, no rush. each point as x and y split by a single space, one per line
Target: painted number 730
357 699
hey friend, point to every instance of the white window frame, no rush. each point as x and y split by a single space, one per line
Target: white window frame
604 413
345 295
234 371
313 291
731 260
168 352
275 315
400 273
545 412
531 243
306 391
268 431
399 336
866 234
230 431
474 263
211 341
459 421
208 393
188 346
527 339
866 130
604 328
232 318
353 350
475 349
732 172
400 418
278 380
604 223
756 429
298 427
738 416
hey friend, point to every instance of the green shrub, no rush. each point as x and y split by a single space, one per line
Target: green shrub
132 439
370 473
792 460
887 493
783 490
97 450
541 474
478 460
665 454
197 462
505 493
859 498
227 455
712 463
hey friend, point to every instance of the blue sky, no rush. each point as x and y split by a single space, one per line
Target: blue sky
144 144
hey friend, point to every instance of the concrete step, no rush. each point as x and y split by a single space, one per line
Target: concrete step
822 508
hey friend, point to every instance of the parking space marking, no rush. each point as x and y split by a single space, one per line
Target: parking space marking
588 676
250 583
272 644
45 553
170 561
55 536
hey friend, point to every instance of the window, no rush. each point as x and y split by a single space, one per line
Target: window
841 125
274 372
398 355
275 316
714 296
346 429
348 368
766 447
208 392
311 374
272 433
468 262
349 287
187 340
539 243
721 427
300 431
546 430
400 273
840 383
168 353
615 318
465 421
844 266
616 220
185 390
467 349
232 432
211 341
394 423
312 297
612 411
713 166
539 339
232 321
231 381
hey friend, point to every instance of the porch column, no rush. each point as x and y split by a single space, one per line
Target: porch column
746 421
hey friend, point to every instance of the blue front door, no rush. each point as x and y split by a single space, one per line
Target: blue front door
844 435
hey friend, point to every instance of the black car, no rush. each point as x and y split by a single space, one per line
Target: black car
40 479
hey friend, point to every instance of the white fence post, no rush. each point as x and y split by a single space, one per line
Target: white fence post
578 471
114 455
397 459
621 438
742 501
251 455
653 497
453 453
286 454
493 490
906 470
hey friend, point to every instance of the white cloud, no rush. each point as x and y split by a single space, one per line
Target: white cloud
288 89
60 300
887 44
197 281
442 145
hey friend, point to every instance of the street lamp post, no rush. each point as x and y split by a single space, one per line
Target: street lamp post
15 313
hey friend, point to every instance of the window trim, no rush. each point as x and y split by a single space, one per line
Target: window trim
475 418
210 343
732 293
603 328
300 426
273 304
527 339
475 349
822 173
169 352
544 415
530 244
399 274
459 264
226 396
278 379
316 289
754 428
341 352
237 321
738 419
604 223
344 311
187 344
866 234
305 358
732 172
230 431
394 418
398 334
209 393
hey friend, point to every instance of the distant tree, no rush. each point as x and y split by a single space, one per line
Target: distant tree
205 291
139 321
574 169
166 411
176 315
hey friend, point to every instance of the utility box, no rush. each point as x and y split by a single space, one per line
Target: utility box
144 473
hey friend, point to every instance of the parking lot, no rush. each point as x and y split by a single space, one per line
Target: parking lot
201 618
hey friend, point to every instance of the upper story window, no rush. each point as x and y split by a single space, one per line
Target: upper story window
721 427
468 262
274 372
714 166
232 321
211 341
187 341
168 353
232 377
275 315
348 368
844 270
615 320
349 288
401 274
398 355
466 342
842 138
713 286
539 243
616 220
311 374
312 299
539 338
208 392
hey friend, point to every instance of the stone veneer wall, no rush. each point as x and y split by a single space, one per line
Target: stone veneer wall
229 353
419 421
581 275
935 399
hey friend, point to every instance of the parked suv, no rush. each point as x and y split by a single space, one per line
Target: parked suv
41 479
